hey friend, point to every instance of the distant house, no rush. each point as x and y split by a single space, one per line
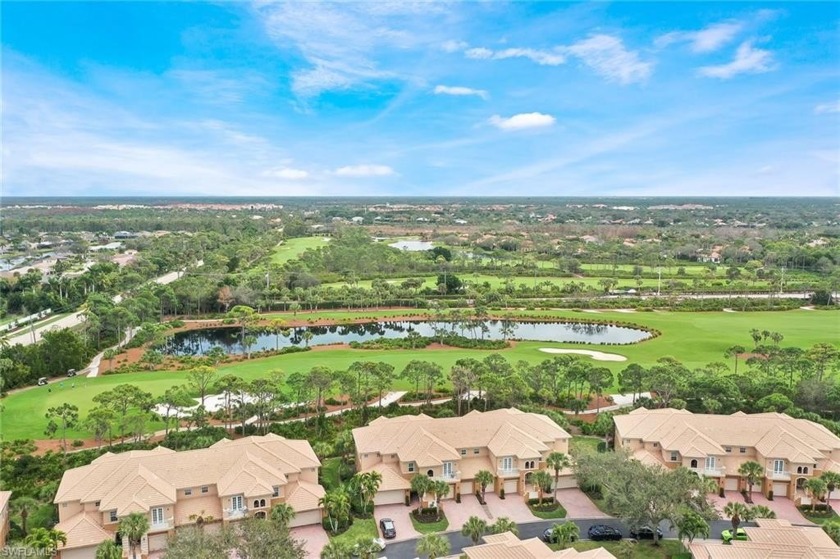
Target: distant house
357 219
4 516
124 235
224 483
508 443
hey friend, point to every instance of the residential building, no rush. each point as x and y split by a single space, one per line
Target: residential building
508 546
220 484
508 443
4 516
771 539
790 451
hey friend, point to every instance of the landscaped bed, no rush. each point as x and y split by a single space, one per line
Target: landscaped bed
429 520
548 510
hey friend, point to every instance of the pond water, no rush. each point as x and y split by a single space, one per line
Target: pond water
198 342
412 246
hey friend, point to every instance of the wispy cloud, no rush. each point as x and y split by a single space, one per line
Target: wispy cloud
541 57
748 60
365 170
286 173
823 108
522 121
608 57
708 39
453 46
460 91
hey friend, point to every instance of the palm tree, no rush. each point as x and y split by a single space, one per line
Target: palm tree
433 545
832 482
735 512
542 480
281 514
691 525
817 488
421 485
484 478
440 489
108 550
565 534
474 528
557 461
752 472
22 505
336 505
337 549
504 524
365 547
761 511
368 485
133 527
46 539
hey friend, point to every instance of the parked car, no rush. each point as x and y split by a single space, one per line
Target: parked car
601 532
727 536
71 372
43 381
644 533
389 531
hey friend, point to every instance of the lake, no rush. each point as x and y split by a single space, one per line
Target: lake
412 246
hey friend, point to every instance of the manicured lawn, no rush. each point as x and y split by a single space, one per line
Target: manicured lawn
820 517
497 281
430 527
361 528
329 473
584 444
696 339
292 248
666 549
548 513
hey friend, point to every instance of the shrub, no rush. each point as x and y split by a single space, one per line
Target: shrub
77 443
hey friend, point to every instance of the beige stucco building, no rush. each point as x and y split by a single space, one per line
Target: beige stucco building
790 451
508 546
771 539
508 443
225 482
4 517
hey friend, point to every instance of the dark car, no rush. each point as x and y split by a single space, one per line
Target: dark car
601 532
644 533
389 531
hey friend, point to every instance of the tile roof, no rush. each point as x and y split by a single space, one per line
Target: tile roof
429 441
772 434
304 496
508 546
772 539
392 479
4 499
82 530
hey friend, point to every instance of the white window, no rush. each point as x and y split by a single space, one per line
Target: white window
276 491
236 503
507 463
113 516
448 469
204 489
157 516
674 456
710 462
463 452
187 492
411 466
778 466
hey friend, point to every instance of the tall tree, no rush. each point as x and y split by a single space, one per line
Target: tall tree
201 379
752 472
504 524
484 478
47 539
565 533
736 512
133 527
258 539
63 417
557 461
832 482
474 528
691 525
433 546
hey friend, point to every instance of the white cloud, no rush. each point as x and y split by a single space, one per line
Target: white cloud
458 90
708 39
364 170
541 57
608 57
522 121
453 46
824 108
748 60
286 173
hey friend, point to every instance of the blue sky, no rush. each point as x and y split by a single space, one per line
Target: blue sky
392 98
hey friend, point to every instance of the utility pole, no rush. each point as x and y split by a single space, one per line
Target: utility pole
659 282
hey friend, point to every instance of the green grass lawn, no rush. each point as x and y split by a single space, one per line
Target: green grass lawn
557 512
431 527
666 549
329 473
361 528
497 281
694 338
820 517
584 444
292 248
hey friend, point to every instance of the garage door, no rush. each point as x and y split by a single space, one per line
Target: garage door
510 485
157 542
566 482
731 484
467 488
302 518
780 489
394 497
77 553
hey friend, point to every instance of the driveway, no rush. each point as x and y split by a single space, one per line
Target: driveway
458 513
513 507
578 505
400 514
784 508
314 536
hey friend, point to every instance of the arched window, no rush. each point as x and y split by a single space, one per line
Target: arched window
805 470
256 504
693 463
430 473
260 514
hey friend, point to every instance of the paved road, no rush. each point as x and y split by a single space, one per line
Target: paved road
408 549
30 337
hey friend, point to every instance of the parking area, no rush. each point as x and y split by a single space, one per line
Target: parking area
402 521
578 505
314 536
784 508
513 507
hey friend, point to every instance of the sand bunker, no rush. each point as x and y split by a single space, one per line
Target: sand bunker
596 355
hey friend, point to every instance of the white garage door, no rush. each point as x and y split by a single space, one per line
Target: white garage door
566 482
395 497
157 542
467 488
78 553
731 484
780 489
510 485
302 518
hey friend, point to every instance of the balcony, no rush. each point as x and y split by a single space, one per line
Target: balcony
709 472
502 472
778 476
447 477
167 524
233 514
